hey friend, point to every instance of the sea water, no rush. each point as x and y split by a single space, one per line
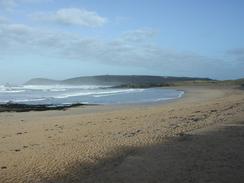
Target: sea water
86 94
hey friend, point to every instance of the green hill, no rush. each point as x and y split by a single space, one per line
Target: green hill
115 80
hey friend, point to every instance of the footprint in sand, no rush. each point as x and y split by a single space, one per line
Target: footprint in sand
34 145
131 134
21 133
6 136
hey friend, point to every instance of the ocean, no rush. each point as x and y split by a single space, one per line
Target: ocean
86 94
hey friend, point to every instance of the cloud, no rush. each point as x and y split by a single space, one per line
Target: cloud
122 51
236 56
3 20
7 4
72 16
11 4
139 35
236 52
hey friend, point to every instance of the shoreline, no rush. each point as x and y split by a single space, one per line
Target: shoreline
137 143
22 107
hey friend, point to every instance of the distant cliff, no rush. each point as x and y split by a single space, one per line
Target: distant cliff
113 80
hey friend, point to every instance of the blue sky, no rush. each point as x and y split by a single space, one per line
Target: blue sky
60 39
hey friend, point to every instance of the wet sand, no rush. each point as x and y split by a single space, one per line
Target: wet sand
199 138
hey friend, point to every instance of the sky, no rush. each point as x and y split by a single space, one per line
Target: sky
61 39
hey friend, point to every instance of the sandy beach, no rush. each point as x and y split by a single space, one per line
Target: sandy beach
198 138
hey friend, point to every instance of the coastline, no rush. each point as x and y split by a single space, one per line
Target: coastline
22 107
115 142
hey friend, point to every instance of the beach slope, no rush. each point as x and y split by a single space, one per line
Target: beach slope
198 138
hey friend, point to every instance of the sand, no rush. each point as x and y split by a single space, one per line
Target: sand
199 138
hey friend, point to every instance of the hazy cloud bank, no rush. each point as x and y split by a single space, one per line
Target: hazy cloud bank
132 48
71 16
11 4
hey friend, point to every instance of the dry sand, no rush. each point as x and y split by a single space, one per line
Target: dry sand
199 138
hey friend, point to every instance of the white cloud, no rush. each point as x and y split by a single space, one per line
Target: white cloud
72 16
19 38
10 4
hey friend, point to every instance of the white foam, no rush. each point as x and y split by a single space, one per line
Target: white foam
47 88
61 87
73 95
12 91
170 98
98 93
23 100
104 94
181 94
